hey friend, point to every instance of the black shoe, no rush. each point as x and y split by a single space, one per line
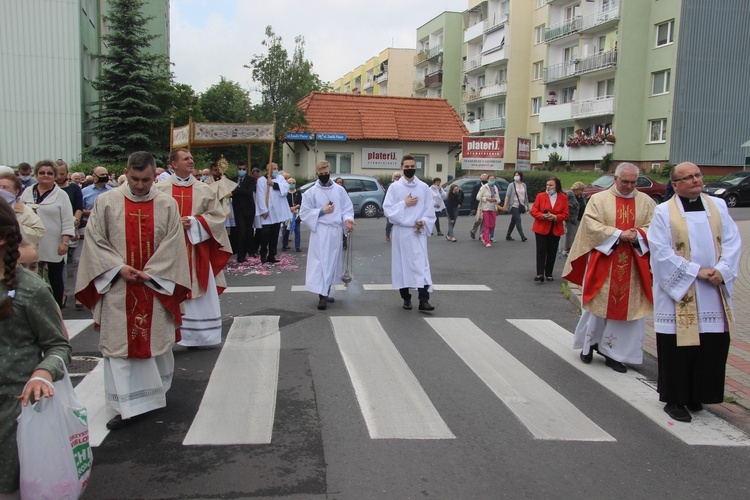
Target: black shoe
524 238
254 255
322 303
330 299
425 306
615 365
695 406
285 248
407 304
440 234
677 412
79 305
510 238
299 250
118 423
586 358
272 260
473 235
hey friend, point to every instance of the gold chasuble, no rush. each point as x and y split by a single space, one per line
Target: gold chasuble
135 320
195 198
615 286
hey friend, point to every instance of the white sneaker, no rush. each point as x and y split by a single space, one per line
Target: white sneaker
493 240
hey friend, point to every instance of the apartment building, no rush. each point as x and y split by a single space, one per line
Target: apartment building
389 73
438 61
47 67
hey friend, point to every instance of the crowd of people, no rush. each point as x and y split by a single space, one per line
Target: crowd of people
147 251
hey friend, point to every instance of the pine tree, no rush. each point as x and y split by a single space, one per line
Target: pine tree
128 117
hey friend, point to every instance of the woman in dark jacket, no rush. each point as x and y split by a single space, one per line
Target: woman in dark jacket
549 211
577 203
452 203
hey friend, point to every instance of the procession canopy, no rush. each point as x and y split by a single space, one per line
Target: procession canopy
221 134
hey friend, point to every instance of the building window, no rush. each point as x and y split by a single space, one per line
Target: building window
568 94
501 109
341 163
540 3
665 33
539 34
658 130
535 139
660 83
536 104
538 70
605 88
566 132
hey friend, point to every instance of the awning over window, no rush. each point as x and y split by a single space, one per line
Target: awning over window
494 41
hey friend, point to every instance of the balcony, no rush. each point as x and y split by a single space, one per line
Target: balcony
433 79
382 77
563 29
494 123
473 63
420 57
576 67
368 85
556 113
583 153
472 126
418 84
496 56
473 32
601 106
486 92
433 52
495 21
602 18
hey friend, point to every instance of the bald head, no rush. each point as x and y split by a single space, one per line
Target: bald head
687 180
677 170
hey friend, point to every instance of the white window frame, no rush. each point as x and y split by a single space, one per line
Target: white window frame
566 132
536 105
538 70
568 94
536 139
662 122
607 90
670 33
664 89
539 34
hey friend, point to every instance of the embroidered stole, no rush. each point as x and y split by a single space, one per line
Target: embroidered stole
686 310
139 299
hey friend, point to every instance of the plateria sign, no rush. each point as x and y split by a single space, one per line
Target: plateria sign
483 153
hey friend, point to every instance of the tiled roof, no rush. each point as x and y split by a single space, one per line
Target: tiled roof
362 117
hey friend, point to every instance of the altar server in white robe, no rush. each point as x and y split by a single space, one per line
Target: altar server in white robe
408 205
134 276
270 211
326 209
695 252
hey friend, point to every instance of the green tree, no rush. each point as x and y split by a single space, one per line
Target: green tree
128 117
283 82
225 102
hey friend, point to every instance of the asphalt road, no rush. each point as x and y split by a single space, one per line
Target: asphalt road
327 429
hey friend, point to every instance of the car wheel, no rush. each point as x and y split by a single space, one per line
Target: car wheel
656 198
369 210
732 200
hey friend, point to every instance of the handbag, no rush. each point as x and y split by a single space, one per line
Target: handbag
53 444
521 206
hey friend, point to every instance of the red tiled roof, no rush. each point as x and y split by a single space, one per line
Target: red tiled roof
374 117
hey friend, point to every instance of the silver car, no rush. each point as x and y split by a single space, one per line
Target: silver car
366 193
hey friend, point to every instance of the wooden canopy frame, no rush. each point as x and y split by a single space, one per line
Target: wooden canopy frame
212 135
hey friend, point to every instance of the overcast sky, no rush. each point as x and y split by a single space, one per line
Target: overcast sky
213 38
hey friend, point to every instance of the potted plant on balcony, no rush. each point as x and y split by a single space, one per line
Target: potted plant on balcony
554 144
552 98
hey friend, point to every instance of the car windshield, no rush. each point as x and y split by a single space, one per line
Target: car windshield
604 182
734 178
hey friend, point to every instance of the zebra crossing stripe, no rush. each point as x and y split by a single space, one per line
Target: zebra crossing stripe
301 288
90 392
544 412
391 400
705 429
249 362
370 287
76 326
249 289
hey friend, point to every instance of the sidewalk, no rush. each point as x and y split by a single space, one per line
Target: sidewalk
738 365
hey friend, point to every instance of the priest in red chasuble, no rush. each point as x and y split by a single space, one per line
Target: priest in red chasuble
206 245
609 260
134 276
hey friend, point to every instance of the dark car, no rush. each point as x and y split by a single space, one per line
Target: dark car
366 193
467 185
734 188
644 184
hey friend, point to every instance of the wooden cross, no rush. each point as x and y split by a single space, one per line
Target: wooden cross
182 197
140 216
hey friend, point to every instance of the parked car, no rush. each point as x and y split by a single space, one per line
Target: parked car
644 184
366 193
467 184
734 188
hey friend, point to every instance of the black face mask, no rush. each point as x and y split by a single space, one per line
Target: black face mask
324 178
409 172
484 182
102 178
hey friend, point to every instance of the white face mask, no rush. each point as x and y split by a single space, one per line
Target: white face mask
550 192
516 178
24 178
8 196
